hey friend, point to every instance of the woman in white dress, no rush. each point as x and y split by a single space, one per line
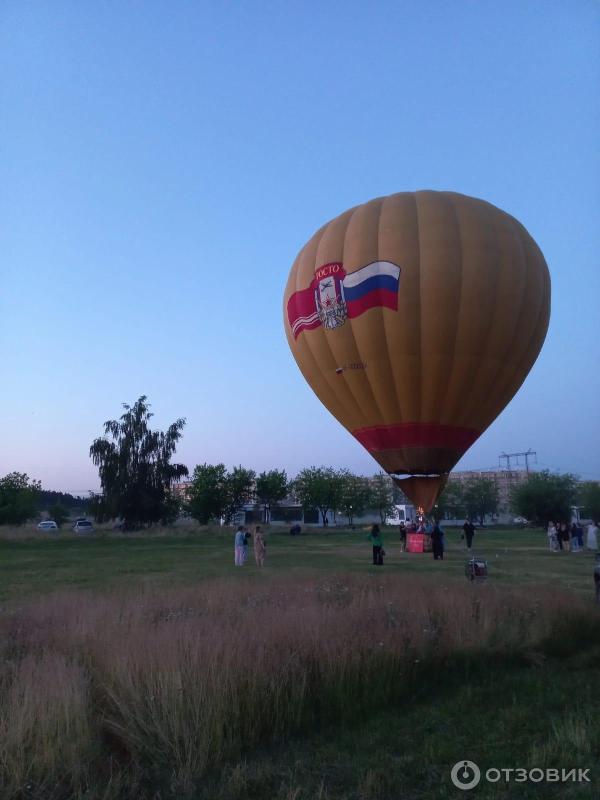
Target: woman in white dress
552 537
592 536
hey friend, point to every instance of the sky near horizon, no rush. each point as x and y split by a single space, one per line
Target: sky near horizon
162 164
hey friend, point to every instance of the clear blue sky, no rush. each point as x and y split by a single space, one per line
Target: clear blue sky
162 163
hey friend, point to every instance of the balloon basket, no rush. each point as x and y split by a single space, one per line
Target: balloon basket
418 543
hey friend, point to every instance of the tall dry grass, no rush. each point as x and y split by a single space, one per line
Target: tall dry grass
142 693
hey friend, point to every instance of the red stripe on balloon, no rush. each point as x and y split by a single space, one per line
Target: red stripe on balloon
415 434
373 299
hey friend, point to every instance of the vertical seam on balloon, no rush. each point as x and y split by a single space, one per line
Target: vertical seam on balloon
491 218
349 394
522 310
308 340
376 404
450 200
382 316
420 347
526 358
501 361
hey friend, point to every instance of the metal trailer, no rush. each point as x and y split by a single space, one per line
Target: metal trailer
476 569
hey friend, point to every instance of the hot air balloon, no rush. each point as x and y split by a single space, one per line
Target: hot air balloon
415 318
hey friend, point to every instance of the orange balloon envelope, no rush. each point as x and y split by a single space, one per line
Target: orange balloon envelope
415 318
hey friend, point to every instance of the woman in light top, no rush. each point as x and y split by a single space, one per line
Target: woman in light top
260 547
592 537
552 536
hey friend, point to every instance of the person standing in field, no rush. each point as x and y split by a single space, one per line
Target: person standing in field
576 537
597 577
563 537
402 537
239 546
573 536
260 548
469 532
437 542
552 537
377 542
592 536
246 533
580 535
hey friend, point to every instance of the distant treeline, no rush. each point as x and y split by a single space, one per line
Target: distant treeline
47 499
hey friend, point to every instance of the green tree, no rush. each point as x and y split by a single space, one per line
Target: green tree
18 498
271 488
318 488
480 497
208 496
381 496
545 496
355 495
451 503
589 499
59 514
136 473
240 489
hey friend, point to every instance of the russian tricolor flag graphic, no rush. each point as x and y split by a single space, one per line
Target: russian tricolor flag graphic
334 295
371 286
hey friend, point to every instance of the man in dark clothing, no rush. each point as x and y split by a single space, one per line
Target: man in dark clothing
469 532
597 577
402 536
437 542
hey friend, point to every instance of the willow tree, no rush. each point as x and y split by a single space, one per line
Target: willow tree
136 473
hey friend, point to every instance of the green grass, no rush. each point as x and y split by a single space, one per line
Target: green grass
407 753
103 638
33 564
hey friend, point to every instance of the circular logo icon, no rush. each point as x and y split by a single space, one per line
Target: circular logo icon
465 775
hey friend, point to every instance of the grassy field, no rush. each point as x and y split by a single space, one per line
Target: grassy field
150 667
33 562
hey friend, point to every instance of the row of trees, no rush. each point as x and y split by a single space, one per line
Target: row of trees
214 492
544 496
327 489
22 498
137 477
473 499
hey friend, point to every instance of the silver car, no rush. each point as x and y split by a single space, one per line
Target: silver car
83 526
47 525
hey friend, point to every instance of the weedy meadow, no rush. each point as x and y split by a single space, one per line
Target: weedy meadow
148 693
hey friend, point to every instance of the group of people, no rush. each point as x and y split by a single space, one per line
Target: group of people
569 537
432 529
242 538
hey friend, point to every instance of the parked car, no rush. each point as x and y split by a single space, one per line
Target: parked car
520 521
83 526
47 525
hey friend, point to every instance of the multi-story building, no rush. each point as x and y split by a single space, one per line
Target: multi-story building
505 479
182 489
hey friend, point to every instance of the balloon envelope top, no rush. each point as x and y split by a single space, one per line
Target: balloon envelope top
415 318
